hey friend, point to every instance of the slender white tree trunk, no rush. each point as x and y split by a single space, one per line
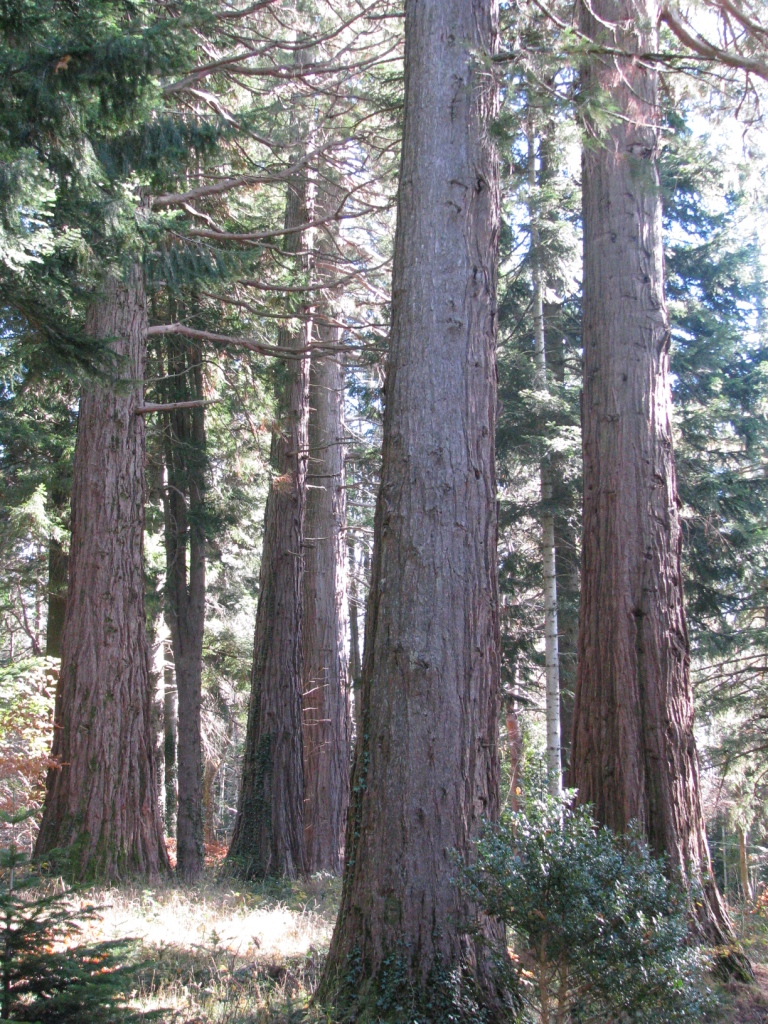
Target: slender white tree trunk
548 551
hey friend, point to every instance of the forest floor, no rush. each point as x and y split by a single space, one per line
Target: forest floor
748 1004
744 1004
221 952
228 952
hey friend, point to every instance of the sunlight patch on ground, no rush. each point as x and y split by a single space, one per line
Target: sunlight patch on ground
234 919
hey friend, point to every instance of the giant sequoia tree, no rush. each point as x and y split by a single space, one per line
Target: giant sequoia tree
634 756
101 802
425 769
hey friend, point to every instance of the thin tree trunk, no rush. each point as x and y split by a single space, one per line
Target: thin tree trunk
634 754
101 804
183 505
268 837
326 718
515 748
359 571
354 619
57 597
209 800
157 663
170 728
426 759
746 888
567 552
548 553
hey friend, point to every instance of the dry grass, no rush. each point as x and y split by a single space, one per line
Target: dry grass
222 952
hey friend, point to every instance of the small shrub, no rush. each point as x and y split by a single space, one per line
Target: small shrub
600 932
46 977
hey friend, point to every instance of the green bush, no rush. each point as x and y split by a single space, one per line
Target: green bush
600 932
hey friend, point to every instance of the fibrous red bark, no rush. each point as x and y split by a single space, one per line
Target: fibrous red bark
425 770
268 837
101 804
634 756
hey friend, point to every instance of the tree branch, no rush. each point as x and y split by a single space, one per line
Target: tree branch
179 198
706 49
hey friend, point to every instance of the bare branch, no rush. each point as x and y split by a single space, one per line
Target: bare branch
255 236
706 49
142 410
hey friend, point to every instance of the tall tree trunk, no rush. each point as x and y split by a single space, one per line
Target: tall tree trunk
101 804
326 718
268 837
157 666
183 506
634 755
426 759
548 551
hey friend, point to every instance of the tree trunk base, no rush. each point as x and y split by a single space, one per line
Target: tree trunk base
478 988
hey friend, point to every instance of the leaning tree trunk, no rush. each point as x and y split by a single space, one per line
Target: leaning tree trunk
183 505
426 759
101 803
326 707
634 755
268 837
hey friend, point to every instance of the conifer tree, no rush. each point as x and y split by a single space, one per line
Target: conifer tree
77 129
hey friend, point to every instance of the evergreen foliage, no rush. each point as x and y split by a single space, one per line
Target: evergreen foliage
719 359
720 363
45 976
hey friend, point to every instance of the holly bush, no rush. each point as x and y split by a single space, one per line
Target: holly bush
600 933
